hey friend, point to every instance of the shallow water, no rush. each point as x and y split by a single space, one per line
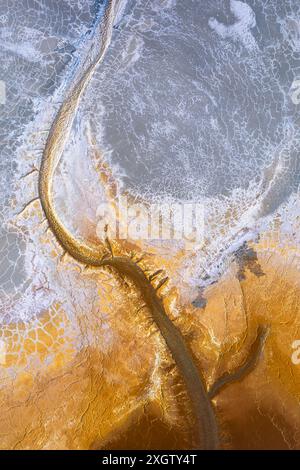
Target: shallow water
192 102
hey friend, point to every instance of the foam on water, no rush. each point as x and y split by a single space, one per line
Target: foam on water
202 117
241 29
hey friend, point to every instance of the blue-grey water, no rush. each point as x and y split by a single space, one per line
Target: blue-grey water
192 102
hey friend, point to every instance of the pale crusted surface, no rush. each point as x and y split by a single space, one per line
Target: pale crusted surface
81 399
82 365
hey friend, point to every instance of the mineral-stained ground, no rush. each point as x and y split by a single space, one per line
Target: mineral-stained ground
181 102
